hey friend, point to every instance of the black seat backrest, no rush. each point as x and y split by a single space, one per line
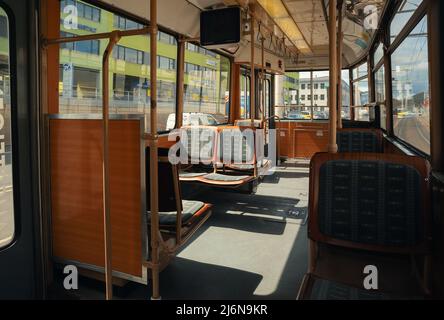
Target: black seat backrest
371 201
167 196
236 146
358 141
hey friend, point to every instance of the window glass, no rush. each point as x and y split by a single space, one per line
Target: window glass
207 86
360 71
404 13
380 95
84 11
345 111
361 92
291 88
380 84
379 53
245 95
7 228
410 75
80 83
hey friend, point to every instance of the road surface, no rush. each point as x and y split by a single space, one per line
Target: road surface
415 131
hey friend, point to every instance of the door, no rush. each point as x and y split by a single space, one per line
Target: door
19 277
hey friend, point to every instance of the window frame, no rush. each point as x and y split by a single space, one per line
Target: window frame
13 87
202 69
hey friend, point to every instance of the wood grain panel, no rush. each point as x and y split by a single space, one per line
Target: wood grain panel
302 139
76 192
307 142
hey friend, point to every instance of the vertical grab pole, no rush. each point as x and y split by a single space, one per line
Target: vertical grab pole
332 146
180 82
263 78
340 38
154 188
113 39
311 95
252 73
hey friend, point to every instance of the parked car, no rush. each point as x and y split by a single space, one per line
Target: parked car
192 119
295 115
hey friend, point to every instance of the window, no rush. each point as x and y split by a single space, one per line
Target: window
361 93
303 97
410 74
191 47
3 26
125 24
207 87
360 71
322 97
80 80
131 55
87 46
166 63
316 86
379 53
380 95
84 10
309 97
404 13
166 38
316 97
7 227
322 85
345 110
245 94
309 86
303 86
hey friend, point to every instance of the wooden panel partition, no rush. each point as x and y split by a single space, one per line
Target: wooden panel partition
76 192
302 139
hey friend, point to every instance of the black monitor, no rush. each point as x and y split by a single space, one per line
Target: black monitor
220 26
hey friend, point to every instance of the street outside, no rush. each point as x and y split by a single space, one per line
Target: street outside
415 130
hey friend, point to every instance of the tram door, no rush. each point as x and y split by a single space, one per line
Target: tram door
18 152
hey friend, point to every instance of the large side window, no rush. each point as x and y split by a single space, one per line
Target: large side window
206 87
410 85
6 182
361 92
80 84
380 95
404 13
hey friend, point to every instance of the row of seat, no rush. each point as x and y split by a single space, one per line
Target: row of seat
215 148
228 156
365 202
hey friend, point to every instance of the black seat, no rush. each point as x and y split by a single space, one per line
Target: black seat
189 210
370 201
359 140
367 203
172 207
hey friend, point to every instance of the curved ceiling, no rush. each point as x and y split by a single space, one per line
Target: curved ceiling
307 50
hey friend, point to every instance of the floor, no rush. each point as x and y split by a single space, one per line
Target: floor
252 247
